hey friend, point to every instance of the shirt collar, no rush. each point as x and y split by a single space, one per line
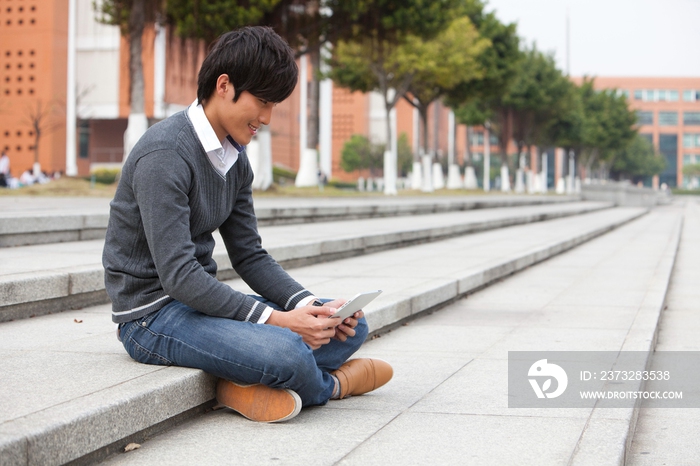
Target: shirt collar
205 132
222 157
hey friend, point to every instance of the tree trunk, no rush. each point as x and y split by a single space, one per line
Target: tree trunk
423 110
468 151
314 96
138 123
436 129
137 19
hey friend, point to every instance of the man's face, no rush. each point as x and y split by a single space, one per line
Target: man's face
242 119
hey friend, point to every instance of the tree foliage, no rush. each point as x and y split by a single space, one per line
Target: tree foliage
359 153
692 170
443 63
538 96
482 101
208 19
608 127
474 102
637 159
371 56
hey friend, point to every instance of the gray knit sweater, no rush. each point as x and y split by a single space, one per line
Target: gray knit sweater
159 240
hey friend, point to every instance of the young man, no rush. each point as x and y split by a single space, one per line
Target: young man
186 177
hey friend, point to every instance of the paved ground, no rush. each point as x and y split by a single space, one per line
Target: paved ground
669 436
448 402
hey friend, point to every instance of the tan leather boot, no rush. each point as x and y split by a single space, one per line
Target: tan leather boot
359 376
259 402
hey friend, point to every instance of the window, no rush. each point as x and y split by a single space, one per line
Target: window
691 118
688 141
645 118
669 118
477 138
691 95
638 94
688 159
668 146
662 95
691 140
673 96
649 95
494 139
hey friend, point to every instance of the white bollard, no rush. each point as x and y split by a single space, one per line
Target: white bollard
428 178
470 181
416 179
561 189
505 179
438 177
454 177
519 181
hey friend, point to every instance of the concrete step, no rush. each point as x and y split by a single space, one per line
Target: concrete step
40 279
665 435
26 221
72 392
448 401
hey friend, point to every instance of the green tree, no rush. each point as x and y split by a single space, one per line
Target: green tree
442 63
565 130
370 56
479 102
359 153
608 127
691 170
208 19
538 96
637 160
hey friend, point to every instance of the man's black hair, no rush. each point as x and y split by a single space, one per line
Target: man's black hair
255 59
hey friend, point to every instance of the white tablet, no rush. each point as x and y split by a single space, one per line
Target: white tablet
355 304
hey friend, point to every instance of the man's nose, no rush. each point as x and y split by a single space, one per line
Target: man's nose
266 114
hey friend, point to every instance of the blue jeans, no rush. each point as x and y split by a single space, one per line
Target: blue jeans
239 351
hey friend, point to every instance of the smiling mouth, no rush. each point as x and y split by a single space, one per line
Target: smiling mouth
253 128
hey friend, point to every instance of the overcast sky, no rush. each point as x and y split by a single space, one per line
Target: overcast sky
612 37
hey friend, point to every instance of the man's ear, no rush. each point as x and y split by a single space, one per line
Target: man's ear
223 86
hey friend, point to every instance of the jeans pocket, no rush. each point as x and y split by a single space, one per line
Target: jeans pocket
142 344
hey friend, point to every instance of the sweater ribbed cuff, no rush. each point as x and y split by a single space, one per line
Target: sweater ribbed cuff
255 312
294 299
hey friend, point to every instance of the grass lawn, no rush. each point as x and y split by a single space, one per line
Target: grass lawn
68 186
65 186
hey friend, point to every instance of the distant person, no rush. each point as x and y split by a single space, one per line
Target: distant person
186 177
27 178
4 169
322 180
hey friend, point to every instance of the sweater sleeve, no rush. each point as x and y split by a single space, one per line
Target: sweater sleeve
161 183
244 246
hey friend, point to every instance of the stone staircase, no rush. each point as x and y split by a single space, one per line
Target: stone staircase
73 395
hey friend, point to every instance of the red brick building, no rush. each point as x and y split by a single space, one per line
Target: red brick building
668 112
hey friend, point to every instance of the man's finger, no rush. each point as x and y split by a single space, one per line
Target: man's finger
320 311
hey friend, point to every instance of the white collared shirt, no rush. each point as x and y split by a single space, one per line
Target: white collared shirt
222 156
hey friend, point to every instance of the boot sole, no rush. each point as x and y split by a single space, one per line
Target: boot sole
258 402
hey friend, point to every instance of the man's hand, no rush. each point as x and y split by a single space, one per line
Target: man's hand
311 322
346 328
